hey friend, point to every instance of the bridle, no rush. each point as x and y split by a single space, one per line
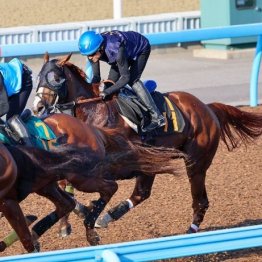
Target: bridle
57 84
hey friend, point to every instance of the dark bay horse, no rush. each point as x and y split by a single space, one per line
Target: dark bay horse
24 170
68 130
62 83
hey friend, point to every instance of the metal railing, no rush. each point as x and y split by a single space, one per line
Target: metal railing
155 249
162 23
162 38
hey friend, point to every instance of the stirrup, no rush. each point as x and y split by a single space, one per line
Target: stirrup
161 121
150 127
154 124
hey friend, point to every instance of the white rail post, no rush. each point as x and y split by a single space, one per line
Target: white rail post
117 9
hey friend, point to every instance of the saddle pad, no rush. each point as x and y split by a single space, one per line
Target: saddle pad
174 119
41 134
130 108
4 138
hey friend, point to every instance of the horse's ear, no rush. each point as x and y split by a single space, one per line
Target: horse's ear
46 57
64 60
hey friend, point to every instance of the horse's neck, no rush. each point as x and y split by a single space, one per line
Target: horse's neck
76 89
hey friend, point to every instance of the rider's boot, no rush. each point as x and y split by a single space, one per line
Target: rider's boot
19 129
157 119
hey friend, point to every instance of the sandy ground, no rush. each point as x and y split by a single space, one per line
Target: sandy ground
36 12
234 188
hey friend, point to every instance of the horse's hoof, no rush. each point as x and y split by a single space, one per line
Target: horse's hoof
104 221
65 231
101 223
37 247
2 246
192 229
92 237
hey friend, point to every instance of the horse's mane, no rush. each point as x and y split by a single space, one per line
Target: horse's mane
81 76
78 71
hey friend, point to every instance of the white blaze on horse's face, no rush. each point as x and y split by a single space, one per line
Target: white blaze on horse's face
44 97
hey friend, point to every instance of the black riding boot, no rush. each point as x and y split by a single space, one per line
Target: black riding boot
18 127
157 119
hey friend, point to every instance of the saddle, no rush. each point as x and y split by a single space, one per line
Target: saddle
41 135
136 115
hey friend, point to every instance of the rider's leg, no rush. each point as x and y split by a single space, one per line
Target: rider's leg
157 119
17 103
18 127
136 69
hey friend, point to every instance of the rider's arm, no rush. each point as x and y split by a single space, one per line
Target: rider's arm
122 63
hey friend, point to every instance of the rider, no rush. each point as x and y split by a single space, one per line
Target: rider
15 88
127 54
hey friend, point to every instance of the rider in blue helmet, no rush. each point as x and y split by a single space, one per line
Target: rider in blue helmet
127 54
15 87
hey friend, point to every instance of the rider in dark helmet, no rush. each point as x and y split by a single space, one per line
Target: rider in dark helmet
127 54
15 88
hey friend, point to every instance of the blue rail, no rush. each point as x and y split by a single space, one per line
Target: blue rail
246 30
154 249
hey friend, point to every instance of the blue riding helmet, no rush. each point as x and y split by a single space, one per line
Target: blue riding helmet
89 42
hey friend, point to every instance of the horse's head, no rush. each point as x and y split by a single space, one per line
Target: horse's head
59 82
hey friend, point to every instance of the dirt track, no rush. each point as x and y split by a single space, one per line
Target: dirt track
233 181
234 189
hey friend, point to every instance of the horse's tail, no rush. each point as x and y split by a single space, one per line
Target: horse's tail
237 126
157 160
139 157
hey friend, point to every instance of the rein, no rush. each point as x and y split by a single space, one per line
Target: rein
86 100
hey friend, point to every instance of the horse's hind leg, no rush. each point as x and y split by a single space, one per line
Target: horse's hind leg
201 159
200 200
140 193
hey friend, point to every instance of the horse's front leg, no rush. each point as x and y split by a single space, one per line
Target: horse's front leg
80 210
12 237
64 228
64 204
16 219
106 189
141 192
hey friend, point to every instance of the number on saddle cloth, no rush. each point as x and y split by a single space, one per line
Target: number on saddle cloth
41 134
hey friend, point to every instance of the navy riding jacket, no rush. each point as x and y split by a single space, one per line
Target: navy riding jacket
120 49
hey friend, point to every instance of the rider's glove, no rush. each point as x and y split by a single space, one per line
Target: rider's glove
103 95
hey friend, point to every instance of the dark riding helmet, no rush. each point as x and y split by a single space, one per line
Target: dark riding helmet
89 42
